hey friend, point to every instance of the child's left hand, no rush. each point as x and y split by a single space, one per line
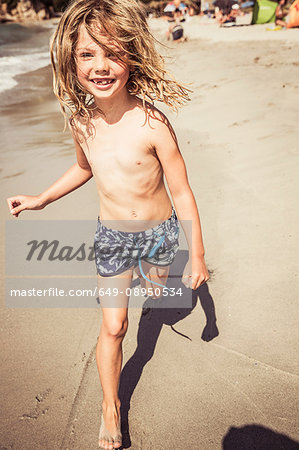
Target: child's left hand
195 272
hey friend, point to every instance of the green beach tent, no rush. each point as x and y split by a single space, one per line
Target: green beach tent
264 11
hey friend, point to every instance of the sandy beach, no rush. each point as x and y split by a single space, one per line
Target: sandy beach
187 380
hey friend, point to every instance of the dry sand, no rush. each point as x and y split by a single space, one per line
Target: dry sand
239 137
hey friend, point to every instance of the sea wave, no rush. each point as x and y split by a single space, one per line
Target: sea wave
23 49
10 66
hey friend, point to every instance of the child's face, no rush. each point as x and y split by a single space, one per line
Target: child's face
100 73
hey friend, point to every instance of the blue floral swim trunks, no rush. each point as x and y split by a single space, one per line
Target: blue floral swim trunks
117 251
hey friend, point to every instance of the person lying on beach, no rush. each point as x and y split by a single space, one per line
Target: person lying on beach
281 16
105 65
229 17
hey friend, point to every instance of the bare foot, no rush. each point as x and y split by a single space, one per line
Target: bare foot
110 433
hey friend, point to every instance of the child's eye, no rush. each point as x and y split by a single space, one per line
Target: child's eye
115 56
112 56
86 55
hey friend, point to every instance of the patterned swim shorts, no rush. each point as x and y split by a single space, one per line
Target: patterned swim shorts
117 251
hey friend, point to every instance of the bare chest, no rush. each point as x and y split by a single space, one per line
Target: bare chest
124 152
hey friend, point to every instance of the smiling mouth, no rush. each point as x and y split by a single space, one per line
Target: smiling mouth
102 82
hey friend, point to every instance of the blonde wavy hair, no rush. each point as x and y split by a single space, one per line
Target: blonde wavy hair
125 23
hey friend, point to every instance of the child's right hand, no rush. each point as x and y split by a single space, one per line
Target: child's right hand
18 203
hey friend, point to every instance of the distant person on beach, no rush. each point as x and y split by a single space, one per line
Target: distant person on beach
229 16
176 29
281 16
105 67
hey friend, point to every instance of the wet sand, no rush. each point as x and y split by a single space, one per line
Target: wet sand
197 388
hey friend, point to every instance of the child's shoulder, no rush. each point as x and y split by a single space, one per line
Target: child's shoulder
154 118
156 126
75 122
81 126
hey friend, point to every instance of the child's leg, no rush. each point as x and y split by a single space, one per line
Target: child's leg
109 347
154 274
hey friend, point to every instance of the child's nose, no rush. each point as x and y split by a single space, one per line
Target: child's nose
101 64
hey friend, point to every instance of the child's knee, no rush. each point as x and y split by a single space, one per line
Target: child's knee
115 328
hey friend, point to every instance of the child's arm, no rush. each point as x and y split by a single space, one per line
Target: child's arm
78 174
174 168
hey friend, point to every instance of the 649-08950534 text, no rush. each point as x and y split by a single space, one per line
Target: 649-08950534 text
136 291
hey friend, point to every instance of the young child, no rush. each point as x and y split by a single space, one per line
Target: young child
176 29
105 66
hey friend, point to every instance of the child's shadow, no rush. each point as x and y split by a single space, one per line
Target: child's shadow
168 310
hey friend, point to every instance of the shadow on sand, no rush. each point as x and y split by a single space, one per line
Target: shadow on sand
257 437
166 311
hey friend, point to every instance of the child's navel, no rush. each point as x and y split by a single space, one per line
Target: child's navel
134 213
138 163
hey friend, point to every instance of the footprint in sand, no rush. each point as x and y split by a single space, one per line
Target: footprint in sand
237 124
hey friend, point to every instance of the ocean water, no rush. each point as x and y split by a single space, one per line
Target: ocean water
31 124
10 66
22 49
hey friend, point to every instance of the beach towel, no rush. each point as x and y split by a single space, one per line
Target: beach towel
294 15
264 12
